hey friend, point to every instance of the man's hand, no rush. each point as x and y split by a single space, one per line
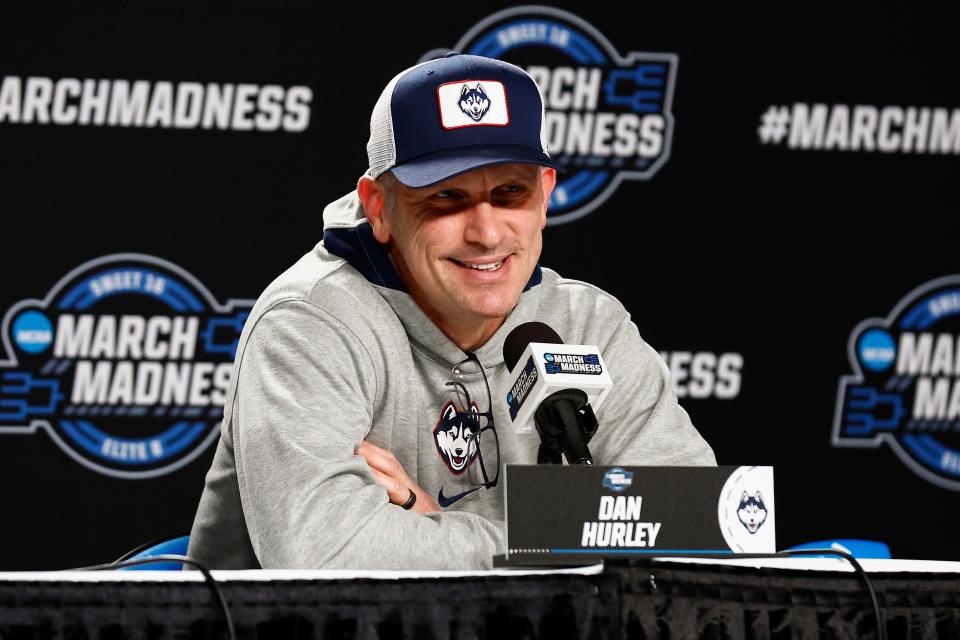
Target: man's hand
390 474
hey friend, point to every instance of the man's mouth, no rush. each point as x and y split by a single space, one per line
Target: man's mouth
481 266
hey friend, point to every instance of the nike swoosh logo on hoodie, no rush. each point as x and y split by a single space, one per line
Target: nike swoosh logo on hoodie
445 502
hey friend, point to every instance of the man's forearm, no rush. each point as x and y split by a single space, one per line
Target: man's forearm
364 531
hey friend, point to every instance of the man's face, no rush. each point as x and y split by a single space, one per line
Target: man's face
466 247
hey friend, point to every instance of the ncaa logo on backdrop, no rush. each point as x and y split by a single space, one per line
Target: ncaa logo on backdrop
124 364
905 387
607 117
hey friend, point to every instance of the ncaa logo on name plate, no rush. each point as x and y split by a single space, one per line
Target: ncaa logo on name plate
617 479
608 117
125 364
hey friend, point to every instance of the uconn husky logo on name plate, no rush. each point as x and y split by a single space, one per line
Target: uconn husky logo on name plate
752 511
124 363
607 116
745 510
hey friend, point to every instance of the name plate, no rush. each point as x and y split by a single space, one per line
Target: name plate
558 513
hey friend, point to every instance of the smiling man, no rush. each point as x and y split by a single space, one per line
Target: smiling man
358 430
465 247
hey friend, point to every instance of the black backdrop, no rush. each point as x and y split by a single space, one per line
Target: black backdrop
734 246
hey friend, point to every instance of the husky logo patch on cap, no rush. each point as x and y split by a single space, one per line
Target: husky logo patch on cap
474 102
468 103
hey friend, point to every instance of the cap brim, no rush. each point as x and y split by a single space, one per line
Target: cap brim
437 167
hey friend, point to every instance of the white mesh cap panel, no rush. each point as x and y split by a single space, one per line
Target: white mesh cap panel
381 147
543 115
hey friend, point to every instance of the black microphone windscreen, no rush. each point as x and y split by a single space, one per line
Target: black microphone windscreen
522 335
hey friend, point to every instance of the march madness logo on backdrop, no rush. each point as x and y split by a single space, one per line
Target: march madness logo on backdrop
608 117
125 364
905 389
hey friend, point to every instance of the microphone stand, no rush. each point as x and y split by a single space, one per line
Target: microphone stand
566 423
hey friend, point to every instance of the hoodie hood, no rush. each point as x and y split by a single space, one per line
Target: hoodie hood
347 234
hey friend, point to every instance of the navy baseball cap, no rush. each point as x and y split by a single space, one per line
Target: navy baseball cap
445 117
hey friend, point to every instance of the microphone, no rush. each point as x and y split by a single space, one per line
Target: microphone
554 386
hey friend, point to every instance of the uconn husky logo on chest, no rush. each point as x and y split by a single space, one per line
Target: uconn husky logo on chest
474 102
452 436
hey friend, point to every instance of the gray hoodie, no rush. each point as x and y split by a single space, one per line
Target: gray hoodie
336 352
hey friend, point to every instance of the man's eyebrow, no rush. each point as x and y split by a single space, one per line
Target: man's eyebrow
521 179
424 194
518 176
515 175
528 171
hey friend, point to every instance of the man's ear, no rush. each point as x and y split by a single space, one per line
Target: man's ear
373 200
548 178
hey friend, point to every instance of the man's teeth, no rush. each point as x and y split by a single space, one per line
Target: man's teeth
490 266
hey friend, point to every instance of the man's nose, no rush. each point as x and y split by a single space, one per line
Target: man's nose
484 225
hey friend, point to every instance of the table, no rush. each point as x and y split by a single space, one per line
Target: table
635 598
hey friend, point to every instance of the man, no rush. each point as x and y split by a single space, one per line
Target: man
347 430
